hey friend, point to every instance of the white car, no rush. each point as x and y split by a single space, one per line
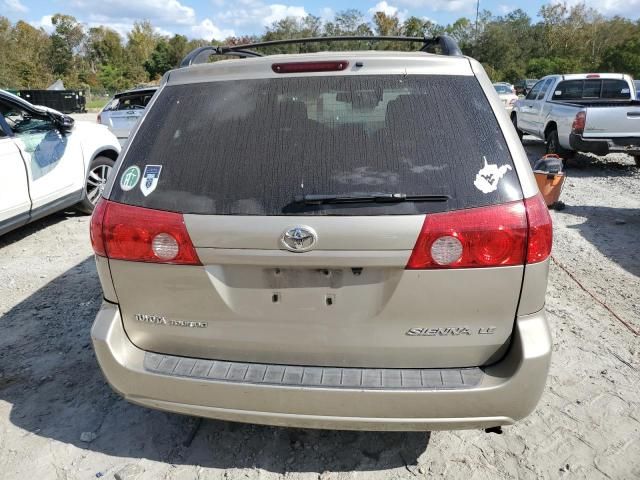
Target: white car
48 162
507 95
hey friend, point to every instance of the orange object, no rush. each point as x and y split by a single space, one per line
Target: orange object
550 185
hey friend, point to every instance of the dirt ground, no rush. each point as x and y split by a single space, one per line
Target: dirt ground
60 420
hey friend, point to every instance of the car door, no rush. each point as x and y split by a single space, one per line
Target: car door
537 110
15 202
525 115
53 159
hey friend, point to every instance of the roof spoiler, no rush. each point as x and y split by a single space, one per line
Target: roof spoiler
446 44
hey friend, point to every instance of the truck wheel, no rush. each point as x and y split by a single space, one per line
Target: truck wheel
99 171
553 144
637 159
514 121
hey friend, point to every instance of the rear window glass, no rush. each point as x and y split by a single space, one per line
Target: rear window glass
253 147
592 89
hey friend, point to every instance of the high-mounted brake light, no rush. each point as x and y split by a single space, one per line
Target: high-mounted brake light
579 122
124 232
510 234
593 75
303 67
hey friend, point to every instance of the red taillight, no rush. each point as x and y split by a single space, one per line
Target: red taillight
303 67
501 235
540 236
99 118
95 229
488 237
124 232
593 75
579 122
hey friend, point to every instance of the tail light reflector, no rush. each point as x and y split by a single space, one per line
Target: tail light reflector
124 232
303 67
579 123
540 236
510 234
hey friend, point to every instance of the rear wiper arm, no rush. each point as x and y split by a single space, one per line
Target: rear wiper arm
318 199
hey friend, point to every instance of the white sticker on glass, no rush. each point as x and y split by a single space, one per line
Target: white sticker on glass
488 177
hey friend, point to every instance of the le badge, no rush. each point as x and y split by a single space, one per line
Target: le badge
150 178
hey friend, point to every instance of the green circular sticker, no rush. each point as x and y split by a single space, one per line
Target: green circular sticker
129 178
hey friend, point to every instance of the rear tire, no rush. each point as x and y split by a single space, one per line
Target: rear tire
553 145
514 121
99 171
637 160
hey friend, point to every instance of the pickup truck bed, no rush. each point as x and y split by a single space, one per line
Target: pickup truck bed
595 126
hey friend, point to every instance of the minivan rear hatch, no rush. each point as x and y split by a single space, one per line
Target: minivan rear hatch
349 166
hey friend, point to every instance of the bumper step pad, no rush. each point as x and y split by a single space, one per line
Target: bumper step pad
319 377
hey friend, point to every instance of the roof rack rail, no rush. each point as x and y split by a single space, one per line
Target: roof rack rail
447 45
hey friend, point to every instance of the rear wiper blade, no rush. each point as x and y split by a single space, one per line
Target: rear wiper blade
318 199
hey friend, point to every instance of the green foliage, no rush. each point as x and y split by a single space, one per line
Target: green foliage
567 39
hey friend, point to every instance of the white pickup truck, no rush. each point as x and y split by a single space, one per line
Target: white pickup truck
597 113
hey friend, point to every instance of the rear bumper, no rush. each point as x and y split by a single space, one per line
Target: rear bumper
507 391
630 145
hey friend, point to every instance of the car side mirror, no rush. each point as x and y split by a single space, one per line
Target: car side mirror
64 123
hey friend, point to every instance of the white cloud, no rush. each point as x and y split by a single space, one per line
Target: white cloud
13 6
208 31
388 10
383 7
253 14
44 22
627 8
163 12
278 12
457 6
327 14
504 9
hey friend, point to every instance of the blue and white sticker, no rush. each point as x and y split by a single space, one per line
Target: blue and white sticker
150 178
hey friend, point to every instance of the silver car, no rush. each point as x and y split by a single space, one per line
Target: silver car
124 110
346 240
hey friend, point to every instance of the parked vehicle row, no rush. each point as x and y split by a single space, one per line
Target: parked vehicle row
596 113
49 162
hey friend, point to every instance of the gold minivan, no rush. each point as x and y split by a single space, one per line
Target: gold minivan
348 240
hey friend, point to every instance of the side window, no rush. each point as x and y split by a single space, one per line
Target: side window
545 88
535 90
22 122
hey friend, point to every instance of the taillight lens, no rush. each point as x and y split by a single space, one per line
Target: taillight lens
303 67
99 118
510 234
124 232
95 228
488 237
540 238
579 123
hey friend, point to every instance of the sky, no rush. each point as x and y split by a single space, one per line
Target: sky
222 18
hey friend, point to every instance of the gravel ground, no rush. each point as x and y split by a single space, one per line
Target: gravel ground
60 420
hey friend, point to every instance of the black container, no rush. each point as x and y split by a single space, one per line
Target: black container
65 101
